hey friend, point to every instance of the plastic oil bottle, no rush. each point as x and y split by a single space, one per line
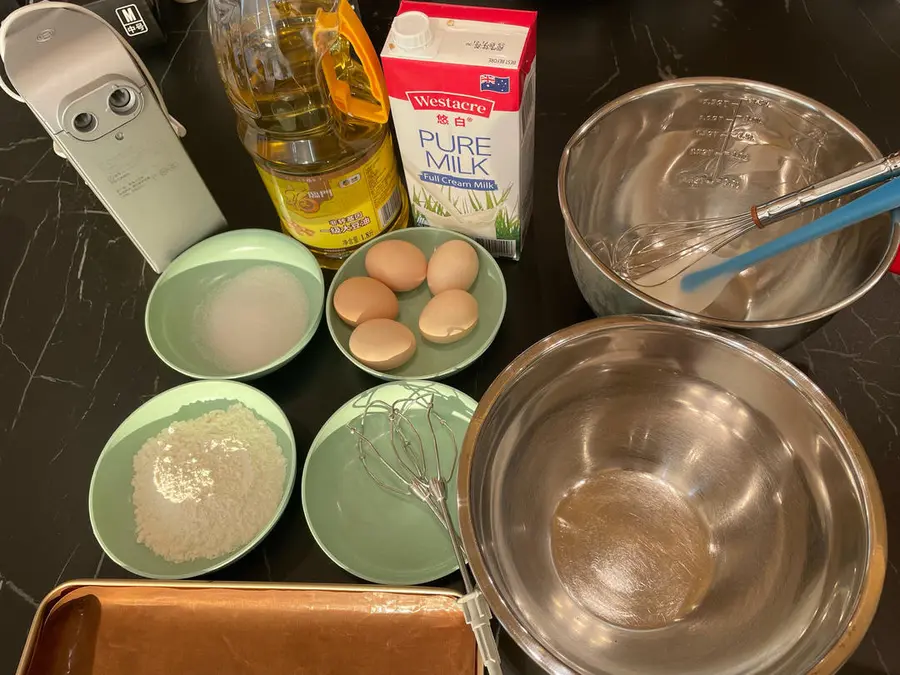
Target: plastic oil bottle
313 113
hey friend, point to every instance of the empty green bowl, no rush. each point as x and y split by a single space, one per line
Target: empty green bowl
110 497
187 282
431 361
371 532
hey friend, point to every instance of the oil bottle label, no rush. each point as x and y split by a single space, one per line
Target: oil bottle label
341 209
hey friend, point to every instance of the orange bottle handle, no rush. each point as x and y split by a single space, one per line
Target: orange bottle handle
348 25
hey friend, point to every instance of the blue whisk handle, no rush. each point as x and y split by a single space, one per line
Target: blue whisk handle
880 200
858 178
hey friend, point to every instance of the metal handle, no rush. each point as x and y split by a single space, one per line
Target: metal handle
857 178
880 200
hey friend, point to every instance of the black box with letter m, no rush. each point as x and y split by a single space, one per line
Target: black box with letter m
138 21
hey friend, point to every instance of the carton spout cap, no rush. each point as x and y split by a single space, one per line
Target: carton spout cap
411 30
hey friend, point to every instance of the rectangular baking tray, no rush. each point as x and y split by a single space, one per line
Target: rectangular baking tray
169 628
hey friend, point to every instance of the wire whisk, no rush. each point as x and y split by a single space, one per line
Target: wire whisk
408 472
650 254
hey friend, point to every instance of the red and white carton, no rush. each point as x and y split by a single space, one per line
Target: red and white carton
461 82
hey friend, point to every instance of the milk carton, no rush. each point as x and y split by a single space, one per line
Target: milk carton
461 84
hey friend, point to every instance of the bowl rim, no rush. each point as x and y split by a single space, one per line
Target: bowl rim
312 325
315 446
437 375
863 612
576 236
290 454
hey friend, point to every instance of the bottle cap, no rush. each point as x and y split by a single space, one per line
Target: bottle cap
411 30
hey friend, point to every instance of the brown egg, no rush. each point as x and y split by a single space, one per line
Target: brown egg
360 299
448 316
399 265
382 344
454 264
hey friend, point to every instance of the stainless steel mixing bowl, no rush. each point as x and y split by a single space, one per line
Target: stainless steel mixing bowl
710 147
640 496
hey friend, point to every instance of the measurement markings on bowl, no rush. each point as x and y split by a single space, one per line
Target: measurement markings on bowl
732 125
728 129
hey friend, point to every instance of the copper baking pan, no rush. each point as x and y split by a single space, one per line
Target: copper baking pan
170 628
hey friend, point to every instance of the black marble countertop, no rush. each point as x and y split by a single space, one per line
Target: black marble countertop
74 360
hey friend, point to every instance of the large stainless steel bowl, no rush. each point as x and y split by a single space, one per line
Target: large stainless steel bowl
639 496
709 147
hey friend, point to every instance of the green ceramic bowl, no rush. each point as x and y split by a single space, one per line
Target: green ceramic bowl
431 361
188 280
375 534
109 501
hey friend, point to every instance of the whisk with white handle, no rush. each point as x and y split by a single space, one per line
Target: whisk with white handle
406 470
650 254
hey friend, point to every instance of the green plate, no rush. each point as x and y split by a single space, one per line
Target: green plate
188 280
375 534
431 361
109 501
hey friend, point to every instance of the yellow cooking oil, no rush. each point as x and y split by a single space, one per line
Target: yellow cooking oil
313 113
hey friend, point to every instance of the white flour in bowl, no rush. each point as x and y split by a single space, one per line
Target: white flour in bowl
207 486
253 318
